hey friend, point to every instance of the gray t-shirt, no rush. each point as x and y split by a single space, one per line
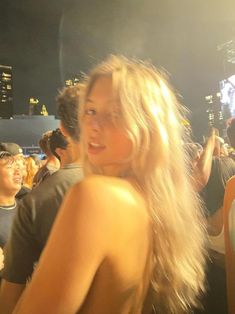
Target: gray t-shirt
43 173
7 214
33 221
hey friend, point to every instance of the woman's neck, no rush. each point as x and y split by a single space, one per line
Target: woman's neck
122 171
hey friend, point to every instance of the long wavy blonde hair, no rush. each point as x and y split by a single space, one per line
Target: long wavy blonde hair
152 119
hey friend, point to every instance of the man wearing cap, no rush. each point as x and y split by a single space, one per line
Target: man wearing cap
10 184
39 208
12 148
16 151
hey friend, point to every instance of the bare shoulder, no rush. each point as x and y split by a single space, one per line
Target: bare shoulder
104 187
101 180
108 195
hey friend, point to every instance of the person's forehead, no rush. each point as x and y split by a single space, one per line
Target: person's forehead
101 88
111 104
6 160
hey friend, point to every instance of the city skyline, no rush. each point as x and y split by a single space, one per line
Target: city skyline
48 42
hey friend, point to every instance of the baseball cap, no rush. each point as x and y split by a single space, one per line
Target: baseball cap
12 148
4 154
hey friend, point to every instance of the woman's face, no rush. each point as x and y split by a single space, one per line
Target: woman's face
106 144
32 166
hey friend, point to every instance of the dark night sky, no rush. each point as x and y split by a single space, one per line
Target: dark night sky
46 41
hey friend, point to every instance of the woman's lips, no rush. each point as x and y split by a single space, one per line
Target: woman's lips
95 148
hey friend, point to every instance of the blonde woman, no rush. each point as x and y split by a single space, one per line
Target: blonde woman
134 223
32 164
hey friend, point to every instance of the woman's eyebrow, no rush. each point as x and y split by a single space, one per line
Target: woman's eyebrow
109 101
89 100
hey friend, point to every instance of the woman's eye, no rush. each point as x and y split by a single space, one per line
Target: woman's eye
90 112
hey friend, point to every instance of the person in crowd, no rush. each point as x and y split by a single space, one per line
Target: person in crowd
33 164
16 151
201 161
10 184
68 111
135 221
52 163
228 215
39 208
222 169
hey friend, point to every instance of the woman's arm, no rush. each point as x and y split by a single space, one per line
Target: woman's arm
74 252
202 171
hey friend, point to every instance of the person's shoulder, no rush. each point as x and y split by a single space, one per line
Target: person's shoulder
60 176
107 192
90 200
102 179
67 172
42 191
57 183
66 177
97 184
104 203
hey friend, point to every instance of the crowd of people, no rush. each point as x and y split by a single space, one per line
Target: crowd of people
126 214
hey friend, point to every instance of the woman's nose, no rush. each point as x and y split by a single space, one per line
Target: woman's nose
96 123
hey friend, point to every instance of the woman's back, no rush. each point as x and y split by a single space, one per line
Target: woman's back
121 281
102 264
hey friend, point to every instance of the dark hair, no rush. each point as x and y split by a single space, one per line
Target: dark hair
67 102
44 143
57 140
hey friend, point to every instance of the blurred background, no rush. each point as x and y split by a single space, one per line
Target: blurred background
48 44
